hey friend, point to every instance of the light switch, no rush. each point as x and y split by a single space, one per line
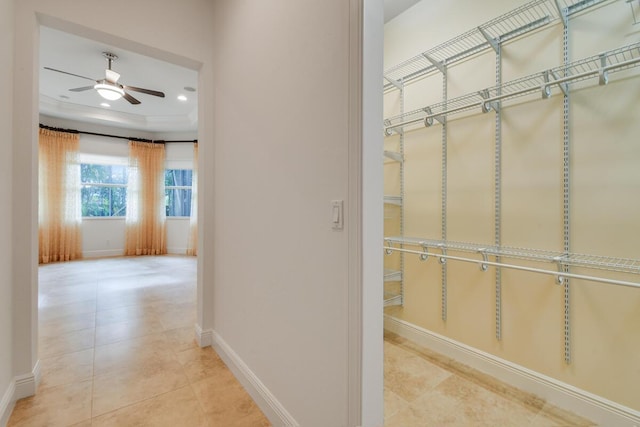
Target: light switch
337 214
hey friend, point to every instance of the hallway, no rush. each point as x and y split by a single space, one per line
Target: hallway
117 348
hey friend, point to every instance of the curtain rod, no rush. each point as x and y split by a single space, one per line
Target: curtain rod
157 141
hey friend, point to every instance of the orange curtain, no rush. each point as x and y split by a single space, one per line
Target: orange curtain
146 215
59 208
192 244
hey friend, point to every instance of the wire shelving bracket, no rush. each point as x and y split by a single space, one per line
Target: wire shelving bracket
393 200
393 155
635 5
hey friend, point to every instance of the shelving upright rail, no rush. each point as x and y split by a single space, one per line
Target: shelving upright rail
493 35
392 275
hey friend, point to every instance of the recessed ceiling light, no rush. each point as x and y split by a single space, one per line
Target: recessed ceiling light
182 98
64 97
189 89
104 104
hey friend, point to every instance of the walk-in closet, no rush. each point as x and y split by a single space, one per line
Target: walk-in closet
511 207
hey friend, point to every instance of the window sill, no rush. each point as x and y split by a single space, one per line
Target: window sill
102 218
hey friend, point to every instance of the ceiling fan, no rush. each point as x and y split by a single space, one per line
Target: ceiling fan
109 88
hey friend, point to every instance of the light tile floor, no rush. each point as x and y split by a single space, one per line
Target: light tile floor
423 388
117 348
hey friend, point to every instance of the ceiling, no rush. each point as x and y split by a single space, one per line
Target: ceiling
393 8
78 55
84 57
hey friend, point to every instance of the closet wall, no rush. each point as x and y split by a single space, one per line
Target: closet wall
604 207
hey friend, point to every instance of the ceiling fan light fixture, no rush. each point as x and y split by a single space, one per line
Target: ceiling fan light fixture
109 91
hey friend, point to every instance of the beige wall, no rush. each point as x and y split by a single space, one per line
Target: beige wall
604 210
6 132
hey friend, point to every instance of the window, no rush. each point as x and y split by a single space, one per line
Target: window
104 190
177 184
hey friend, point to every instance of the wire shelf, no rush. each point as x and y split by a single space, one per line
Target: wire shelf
528 17
392 275
542 83
393 200
597 262
392 299
394 156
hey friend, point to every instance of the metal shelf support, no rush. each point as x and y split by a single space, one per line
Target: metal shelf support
566 185
395 83
492 42
497 224
633 11
443 224
439 65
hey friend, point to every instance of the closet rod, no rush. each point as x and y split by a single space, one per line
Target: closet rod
482 262
157 141
388 129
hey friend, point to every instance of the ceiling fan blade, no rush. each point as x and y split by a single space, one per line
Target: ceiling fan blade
131 99
81 89
71 74
147 91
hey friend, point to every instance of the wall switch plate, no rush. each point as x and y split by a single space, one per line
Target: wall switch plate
337 214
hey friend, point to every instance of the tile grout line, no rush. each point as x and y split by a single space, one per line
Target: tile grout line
537 408
200 361
136 403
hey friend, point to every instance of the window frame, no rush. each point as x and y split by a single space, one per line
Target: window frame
84 185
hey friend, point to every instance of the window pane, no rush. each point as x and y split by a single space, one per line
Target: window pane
105 174
118 201
177 177
178 202
103 201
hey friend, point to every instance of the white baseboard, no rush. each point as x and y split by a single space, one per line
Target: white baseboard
7 403
176 251
26 385
271 407
204 336
565 396
103 253
21 386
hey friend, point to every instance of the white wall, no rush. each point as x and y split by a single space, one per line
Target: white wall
282 109
372 216
6 137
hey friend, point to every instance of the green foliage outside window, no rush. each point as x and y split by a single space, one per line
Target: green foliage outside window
178 191
104 190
